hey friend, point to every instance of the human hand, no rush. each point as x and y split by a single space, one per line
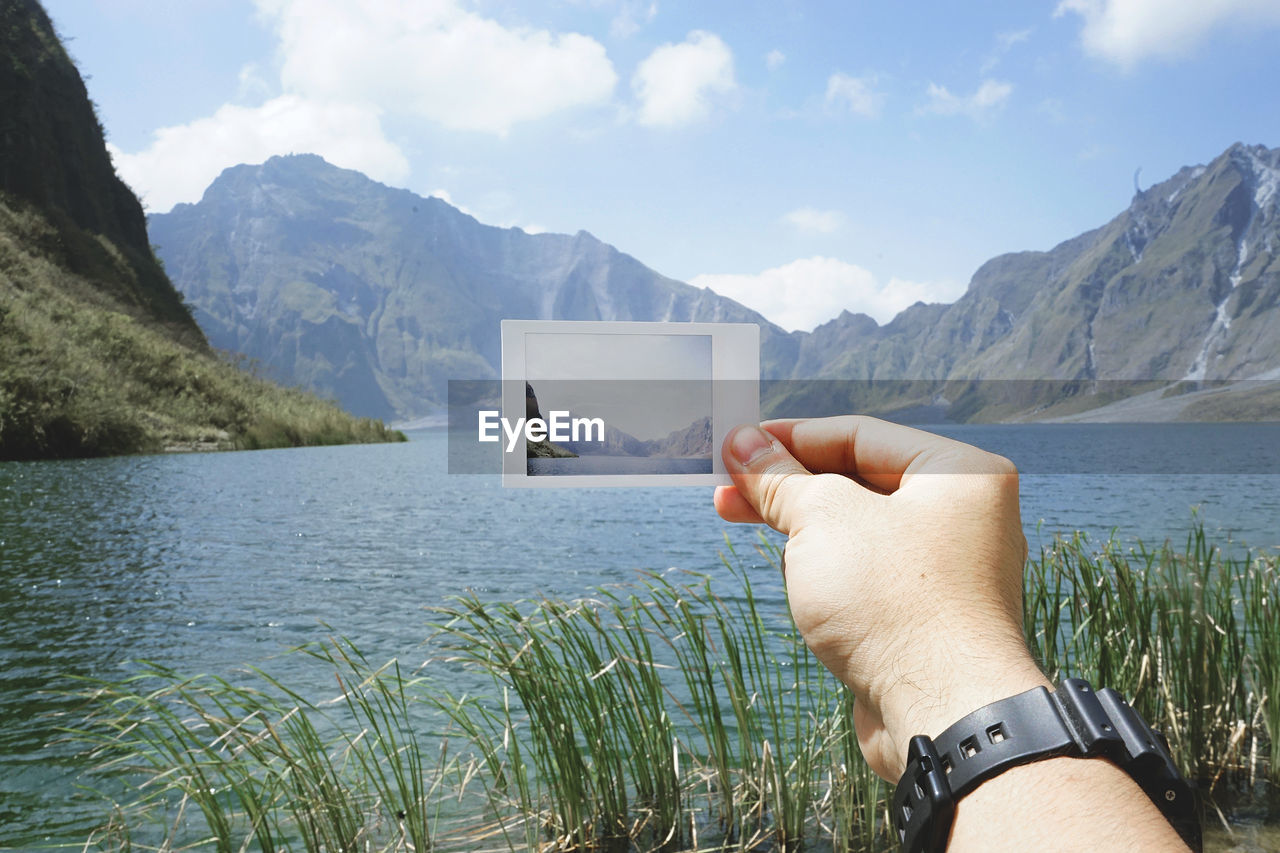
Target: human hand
903 566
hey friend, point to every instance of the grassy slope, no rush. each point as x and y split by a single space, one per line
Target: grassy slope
82 374
98 353
53 156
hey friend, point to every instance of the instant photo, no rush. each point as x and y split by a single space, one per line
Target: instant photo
617 404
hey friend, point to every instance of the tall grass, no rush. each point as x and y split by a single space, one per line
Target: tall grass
230 767
659 714
673 712
1191 635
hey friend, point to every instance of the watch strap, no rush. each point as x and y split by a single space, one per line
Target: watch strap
1074 721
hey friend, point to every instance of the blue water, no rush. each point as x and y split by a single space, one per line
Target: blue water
210 562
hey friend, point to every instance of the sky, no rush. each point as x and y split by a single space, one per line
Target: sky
802 157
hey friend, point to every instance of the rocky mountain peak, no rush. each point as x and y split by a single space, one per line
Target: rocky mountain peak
379 296
1260 168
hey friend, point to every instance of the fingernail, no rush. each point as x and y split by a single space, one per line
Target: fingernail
748 443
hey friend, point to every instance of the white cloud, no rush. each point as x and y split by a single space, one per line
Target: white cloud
817 221
810 291
678 83
989 96
773 59
435 60
857 94
1127 31
631 16
253 84
344 65
183 160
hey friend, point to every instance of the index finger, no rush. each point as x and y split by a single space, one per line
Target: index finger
880 453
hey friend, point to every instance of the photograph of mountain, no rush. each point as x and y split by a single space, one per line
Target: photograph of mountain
651 392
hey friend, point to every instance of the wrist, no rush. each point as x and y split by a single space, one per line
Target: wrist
1040 726
946 689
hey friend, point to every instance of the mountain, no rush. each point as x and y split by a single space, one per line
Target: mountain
378 296
98 353
1181 285
693 440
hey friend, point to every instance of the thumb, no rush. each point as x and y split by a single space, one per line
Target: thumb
765 474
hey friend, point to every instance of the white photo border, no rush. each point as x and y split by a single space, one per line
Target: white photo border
735 394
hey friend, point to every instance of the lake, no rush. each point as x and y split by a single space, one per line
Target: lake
209 562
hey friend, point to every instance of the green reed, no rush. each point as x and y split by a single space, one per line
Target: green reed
673 712
262 766
1190 634
659 715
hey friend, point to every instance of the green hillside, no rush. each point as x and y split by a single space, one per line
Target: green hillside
98 353
81 376
52 155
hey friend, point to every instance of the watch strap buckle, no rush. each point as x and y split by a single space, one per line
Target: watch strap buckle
927 798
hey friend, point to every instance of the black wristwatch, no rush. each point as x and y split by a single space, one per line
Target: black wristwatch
1074 721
